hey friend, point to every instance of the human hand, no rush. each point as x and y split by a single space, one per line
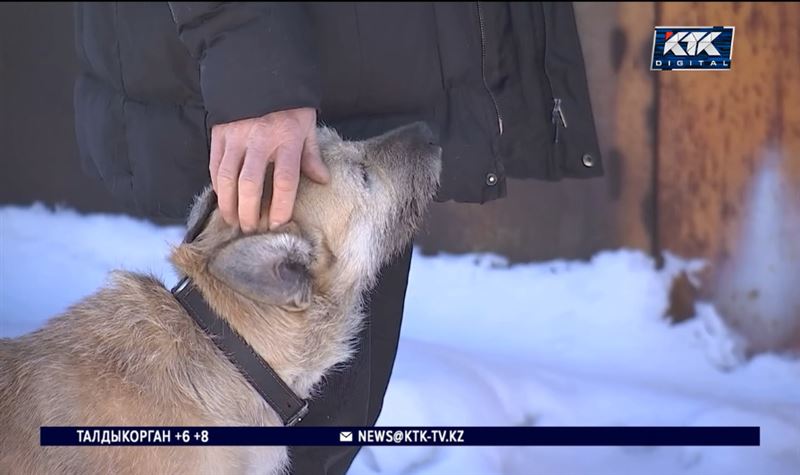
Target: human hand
241 152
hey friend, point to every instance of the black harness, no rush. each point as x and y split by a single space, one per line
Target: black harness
256 371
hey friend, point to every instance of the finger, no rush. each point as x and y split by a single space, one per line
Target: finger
228 179
251 187
284 185
217 150
311 163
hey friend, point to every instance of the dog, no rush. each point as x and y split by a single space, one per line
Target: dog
130 355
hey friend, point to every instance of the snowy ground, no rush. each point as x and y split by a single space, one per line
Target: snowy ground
556 343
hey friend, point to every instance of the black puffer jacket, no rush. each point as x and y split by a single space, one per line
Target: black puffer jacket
503 82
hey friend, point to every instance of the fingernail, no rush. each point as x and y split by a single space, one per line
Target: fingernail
274 225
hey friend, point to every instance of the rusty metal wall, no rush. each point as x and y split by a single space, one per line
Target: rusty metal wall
729 168
714 134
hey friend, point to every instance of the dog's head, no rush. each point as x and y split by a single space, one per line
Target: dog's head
340 234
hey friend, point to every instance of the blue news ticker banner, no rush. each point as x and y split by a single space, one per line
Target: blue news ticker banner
466 436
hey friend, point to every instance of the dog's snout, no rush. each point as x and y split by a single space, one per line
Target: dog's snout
416 133
425 133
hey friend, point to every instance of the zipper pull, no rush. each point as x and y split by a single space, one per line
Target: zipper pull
558 117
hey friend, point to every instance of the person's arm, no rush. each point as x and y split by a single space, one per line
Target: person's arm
255 58
260 82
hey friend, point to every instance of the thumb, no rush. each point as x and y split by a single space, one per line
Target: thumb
311 163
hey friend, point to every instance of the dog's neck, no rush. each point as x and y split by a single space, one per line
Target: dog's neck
298 354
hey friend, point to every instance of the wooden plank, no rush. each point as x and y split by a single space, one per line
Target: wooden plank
634 134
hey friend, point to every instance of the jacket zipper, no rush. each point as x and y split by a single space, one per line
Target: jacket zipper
483 70
558 117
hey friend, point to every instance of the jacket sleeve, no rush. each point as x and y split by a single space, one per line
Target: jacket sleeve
255 57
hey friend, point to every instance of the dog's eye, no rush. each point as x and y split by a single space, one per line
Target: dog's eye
364 174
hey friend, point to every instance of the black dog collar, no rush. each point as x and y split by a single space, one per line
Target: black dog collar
258 373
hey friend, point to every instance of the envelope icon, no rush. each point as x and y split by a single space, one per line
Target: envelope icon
346 436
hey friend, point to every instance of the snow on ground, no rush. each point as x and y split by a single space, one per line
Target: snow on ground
554 343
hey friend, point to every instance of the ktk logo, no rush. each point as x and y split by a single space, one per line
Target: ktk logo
692 48
696 42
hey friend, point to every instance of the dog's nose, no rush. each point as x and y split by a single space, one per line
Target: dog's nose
426 133
419 132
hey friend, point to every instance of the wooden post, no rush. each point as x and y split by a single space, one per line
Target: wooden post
635 134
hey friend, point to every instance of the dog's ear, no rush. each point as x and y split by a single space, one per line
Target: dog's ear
202 207
268 268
